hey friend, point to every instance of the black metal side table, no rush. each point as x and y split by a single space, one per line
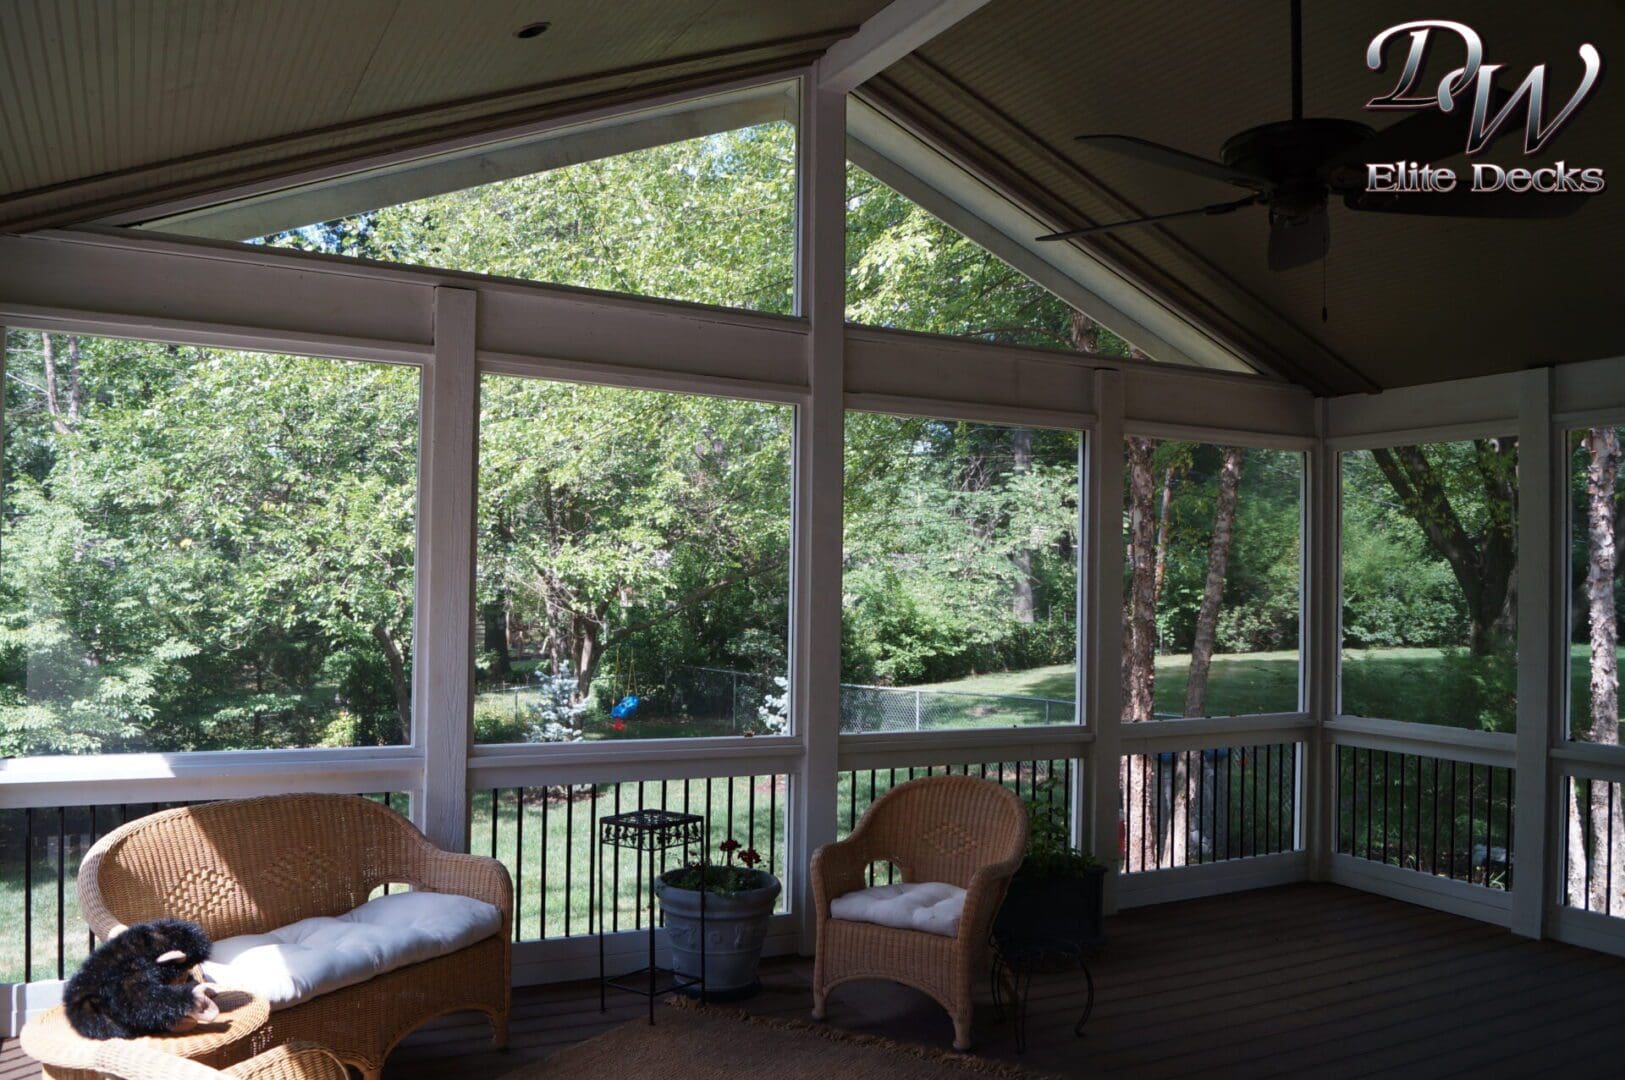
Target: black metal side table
648 832
1016 959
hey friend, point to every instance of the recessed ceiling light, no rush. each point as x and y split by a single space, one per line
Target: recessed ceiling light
535 29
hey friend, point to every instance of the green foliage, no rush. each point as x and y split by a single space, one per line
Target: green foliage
1050 854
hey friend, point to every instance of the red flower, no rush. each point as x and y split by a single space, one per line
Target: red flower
619 725
729 846
749 857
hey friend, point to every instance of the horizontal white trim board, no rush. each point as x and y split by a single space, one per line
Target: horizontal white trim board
1591 761
1211 879
1414 887
884 750
899 405
105 779
1211 732
1588 929
24 1001
1498 748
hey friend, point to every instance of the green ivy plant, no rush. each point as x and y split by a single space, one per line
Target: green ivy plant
1050 854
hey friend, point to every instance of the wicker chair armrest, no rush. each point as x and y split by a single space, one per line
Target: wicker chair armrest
838 869
294 1061
477 876
983 897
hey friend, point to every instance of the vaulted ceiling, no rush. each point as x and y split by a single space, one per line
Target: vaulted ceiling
105 103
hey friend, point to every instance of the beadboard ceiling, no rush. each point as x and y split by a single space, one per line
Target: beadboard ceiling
107 104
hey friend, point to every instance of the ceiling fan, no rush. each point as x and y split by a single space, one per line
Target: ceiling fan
1293 166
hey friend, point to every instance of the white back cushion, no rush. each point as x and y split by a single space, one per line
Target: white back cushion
315 956
931 906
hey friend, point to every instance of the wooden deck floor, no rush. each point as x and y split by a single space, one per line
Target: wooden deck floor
1287 981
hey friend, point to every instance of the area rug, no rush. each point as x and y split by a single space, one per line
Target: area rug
723 1044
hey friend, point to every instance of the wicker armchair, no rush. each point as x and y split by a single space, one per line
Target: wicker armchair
251 865
129 1060
955 829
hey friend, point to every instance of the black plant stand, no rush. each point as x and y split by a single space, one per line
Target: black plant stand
1016 958
649 832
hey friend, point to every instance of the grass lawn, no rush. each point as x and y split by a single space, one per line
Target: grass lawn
1237 685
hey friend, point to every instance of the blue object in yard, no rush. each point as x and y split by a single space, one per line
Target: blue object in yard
626 707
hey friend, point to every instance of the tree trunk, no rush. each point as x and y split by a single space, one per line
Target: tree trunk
1025 606
1607 849
397 678
1165 514
495 617
1141 640
1218 565
1576 894
1085 333
1139 644
586 652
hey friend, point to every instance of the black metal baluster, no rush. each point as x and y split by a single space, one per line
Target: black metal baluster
773 822
28 894
852 802
569 857
1202 836
1435 817
637 890
1370 797
90 935
1453 800
1417 847
1508 833
614 865
518 860
1402 809
61 891
541 890
1472 824
1608 893
493 823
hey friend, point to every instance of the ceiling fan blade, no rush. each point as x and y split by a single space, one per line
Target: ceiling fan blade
1167 156
1216 208
1463 203
1297 243
1425 136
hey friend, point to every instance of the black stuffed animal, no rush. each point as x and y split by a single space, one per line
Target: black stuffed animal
140 983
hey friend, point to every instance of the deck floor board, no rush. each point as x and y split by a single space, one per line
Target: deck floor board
1277 982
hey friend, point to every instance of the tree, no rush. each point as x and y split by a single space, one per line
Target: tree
1483 562
1218 565
1599 855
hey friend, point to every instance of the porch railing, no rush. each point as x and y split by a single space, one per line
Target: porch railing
1194 807
1435 815
547 838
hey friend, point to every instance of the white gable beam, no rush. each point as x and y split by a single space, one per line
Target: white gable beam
886 37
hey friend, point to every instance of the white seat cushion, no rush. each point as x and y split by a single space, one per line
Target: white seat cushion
930 906
315 956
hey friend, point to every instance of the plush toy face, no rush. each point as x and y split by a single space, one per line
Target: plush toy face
140 983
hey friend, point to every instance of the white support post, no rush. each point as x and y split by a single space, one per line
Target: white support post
1103 612
443 638
1542 607
819 451
1320 634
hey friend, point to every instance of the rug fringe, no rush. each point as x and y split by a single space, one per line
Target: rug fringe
950 1059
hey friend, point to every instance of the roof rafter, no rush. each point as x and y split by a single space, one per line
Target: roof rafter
886 37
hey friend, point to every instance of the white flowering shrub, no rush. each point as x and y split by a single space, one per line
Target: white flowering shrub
552 714
774 711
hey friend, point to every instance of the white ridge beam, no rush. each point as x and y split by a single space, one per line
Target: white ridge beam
886 37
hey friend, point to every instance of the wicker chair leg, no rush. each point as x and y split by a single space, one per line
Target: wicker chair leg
499 1030
962 1030
819 996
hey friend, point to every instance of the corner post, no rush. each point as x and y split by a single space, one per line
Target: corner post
819 452
1103 611
1542 606
1320 641
443 631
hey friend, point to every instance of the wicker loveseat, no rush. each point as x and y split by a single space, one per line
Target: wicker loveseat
132 1060
250 866
955 830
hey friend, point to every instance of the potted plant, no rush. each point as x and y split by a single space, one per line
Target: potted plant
1058 893
739 900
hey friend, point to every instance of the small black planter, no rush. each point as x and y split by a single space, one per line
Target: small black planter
1050 909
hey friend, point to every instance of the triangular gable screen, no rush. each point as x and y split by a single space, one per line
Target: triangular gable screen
692 203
